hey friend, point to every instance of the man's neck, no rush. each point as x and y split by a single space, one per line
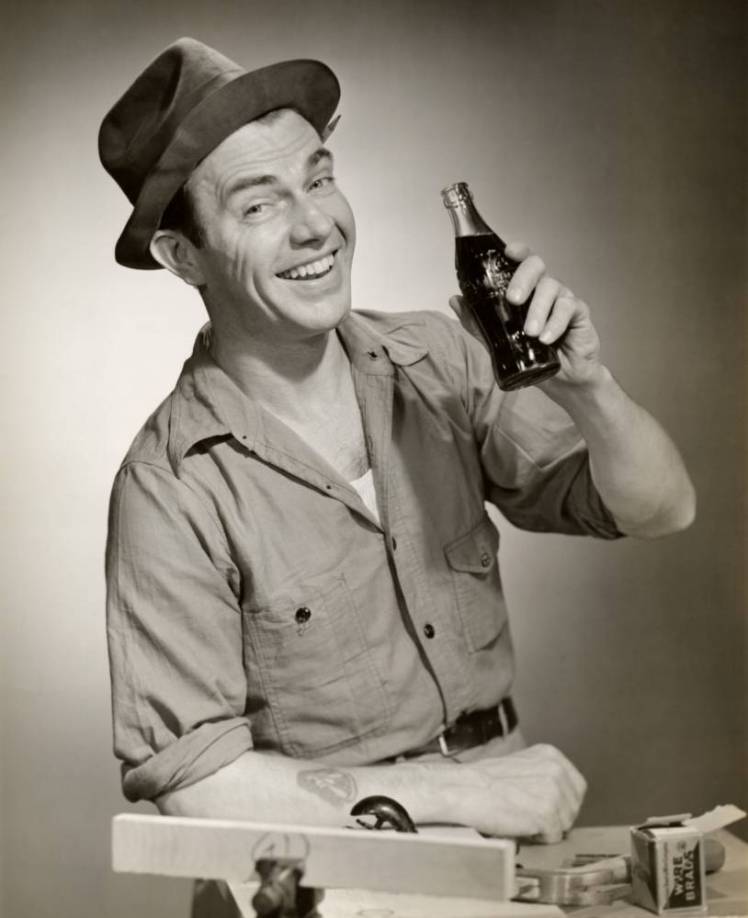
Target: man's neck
294 379
308 385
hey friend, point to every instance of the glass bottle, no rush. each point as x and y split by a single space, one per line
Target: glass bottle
483 273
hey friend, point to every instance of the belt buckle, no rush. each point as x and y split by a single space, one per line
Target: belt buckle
443 747
503 719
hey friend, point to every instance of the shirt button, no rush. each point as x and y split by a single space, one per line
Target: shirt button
429 630
303 615
485 559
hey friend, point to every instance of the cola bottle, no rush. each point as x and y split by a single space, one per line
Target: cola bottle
483 273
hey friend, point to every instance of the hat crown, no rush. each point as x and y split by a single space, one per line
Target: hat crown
140 125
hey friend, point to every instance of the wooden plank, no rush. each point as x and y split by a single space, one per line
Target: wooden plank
468 867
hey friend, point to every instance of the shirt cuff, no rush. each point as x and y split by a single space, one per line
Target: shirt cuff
589 508
194 756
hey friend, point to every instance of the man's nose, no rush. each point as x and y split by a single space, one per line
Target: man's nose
310 223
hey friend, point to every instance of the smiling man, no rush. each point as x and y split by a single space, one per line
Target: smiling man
276 241
304 601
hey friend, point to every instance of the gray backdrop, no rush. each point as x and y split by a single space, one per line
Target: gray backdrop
609 135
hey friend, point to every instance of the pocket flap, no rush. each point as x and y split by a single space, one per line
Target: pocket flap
474 552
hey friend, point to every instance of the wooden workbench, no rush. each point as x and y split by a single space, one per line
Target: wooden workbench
432 872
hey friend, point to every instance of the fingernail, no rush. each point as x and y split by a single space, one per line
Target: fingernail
532 327
515 293
546 337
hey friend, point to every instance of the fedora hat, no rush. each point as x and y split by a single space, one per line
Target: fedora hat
188 100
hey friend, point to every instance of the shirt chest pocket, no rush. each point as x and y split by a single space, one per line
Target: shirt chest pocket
308 651
474 568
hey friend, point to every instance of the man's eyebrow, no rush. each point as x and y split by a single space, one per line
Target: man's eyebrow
317 157
253 181
249 181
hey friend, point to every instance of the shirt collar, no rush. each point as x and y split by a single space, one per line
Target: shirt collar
207 403
377 342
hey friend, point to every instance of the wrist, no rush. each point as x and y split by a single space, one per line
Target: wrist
431 792
581 390
449 786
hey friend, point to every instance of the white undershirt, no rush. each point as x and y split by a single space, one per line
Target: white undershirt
365 487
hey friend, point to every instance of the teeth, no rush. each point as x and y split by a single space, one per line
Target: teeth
309 271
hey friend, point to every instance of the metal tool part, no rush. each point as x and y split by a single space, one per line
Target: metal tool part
387 813
592 884
593 879
279 894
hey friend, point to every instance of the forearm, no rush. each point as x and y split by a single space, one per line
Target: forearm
532 792
265 787
635 465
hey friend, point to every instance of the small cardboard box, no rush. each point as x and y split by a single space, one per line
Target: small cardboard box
668 876
668 860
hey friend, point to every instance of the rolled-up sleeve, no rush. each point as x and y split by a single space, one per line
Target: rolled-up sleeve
535 462
174 633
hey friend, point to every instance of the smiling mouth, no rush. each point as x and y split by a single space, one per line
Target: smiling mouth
310 271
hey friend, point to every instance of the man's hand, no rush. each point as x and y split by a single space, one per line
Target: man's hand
554 316
634 464
535 793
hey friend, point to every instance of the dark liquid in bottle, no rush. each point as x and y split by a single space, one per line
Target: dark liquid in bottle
483 273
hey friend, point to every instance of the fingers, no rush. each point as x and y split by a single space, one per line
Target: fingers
535 793
517 251
543 301
551 837
526 278
570 784
552 307
553 310
575 776
563 793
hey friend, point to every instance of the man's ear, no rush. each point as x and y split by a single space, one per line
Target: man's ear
177 254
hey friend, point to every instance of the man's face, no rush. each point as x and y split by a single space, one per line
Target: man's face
278 235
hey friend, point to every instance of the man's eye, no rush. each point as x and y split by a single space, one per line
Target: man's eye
259 207
324 181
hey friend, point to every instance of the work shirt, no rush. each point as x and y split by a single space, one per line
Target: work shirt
255 602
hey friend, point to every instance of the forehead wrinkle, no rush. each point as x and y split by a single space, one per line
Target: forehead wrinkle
250 155
252 179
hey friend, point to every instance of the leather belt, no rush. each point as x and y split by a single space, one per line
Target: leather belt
470 730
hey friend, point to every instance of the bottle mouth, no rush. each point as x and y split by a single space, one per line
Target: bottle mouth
456 195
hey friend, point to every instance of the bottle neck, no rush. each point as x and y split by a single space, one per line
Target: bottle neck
466 221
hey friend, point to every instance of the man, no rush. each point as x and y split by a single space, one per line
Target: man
304 599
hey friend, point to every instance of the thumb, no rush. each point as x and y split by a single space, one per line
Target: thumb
457 305
551 837
463 312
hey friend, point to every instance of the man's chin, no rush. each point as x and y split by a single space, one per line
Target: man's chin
312 320
330 320
325 312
